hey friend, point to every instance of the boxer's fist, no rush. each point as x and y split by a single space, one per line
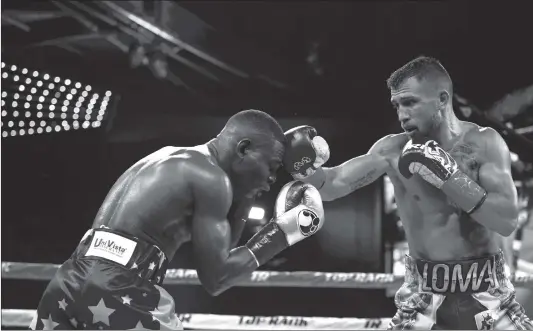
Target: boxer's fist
429 161
299 211
305 151
298 214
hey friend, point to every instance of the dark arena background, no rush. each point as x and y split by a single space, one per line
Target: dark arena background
90 87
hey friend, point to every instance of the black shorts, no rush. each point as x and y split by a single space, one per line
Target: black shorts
472 294
112 281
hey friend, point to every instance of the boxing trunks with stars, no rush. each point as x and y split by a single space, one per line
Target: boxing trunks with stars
111 281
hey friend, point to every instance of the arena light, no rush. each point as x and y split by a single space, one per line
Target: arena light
256 213
3 65
51 94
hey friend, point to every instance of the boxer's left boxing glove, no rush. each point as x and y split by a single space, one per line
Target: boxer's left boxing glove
438 168
305 151
298 214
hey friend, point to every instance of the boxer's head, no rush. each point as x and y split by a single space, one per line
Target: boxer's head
253 146
421 93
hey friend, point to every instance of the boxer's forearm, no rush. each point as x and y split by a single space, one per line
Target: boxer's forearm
237 226
239 265
498 213
317 179
352 175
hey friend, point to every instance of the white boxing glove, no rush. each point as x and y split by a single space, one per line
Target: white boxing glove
298 214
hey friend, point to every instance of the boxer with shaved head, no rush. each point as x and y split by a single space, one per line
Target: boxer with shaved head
173 196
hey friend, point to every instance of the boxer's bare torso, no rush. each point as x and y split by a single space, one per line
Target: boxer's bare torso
153 200
435 229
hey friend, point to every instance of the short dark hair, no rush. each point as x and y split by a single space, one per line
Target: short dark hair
253 122
422 67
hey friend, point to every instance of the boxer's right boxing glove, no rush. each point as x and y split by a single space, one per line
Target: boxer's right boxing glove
305 152
298 214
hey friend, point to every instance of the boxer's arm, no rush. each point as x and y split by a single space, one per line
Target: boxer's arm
499 211
238 219
218 266
353 174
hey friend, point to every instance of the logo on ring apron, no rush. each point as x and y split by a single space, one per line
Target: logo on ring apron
308 222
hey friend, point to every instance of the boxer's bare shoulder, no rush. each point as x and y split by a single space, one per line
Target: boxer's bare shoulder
390 145
154 199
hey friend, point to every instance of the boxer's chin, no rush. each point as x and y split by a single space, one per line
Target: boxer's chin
411 132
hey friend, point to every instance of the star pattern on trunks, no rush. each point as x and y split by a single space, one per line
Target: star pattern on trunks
63 304
126 300
101 312
139 326
48 323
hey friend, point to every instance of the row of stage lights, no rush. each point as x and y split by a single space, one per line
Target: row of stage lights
23 107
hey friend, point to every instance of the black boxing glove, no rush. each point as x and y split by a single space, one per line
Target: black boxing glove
437 167
298 214
305 151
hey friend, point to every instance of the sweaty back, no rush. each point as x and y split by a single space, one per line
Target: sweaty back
152 200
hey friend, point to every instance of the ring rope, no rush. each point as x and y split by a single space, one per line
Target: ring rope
45 271
23 318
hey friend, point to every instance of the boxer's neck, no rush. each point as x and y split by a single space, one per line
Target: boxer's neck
448 130
219 154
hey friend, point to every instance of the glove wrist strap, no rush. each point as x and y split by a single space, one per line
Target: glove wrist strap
464 192
267 243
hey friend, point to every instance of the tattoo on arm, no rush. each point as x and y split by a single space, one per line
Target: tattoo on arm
362 181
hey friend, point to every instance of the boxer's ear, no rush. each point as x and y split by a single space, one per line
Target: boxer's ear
444 98
243 146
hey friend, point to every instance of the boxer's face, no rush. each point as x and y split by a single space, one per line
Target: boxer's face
255 167
417 106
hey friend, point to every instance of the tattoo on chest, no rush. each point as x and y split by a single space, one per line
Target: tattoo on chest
362 181
465 154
